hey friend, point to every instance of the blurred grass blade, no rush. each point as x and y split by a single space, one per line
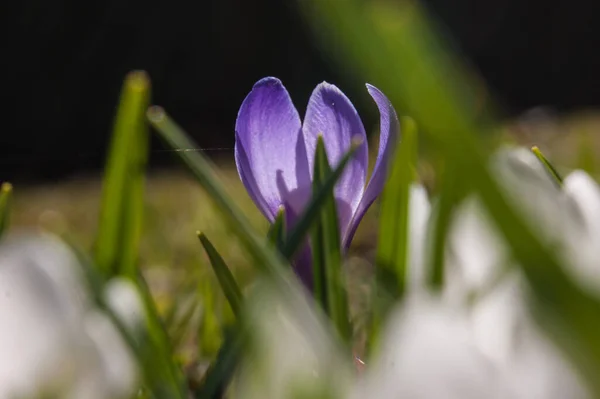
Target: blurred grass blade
224 276
393 242
265 257
549 167
174 310
181 318
157 352
297 235
328 280
219 374
382 36
452 191
6 191
209 334
121 213
276 234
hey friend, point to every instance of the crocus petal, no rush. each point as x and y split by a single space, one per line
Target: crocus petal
388 137
270 159
247 178
331 114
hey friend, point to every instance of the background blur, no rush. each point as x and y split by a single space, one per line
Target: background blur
64 62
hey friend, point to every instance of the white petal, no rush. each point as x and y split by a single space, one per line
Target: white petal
427 352
419 212
476 252
532 366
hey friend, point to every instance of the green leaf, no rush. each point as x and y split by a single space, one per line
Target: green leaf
5 206
264 256
307 218
179 318
121 213
224 276
276 234
209 334
156 351
394 241
219 374
549 167
328 280
453 189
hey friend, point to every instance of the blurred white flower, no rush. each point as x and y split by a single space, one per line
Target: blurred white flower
583 241
292 351
53 340
419 210
479 261
428 351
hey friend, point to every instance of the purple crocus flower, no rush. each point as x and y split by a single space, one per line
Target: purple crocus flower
274 153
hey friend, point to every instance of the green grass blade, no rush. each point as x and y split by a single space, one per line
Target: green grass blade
549 167
452 191
307 218
393 243
157 352
265 257
121 213
219 374
276 234
6 191
179 317
328 279
226 280
209 336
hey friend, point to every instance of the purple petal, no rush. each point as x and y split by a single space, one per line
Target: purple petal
331 114
388 137
269 149
241 162
303 266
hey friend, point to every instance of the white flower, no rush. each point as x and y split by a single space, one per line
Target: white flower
479 261
53 340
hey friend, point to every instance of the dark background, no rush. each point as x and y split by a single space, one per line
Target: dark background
63 62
